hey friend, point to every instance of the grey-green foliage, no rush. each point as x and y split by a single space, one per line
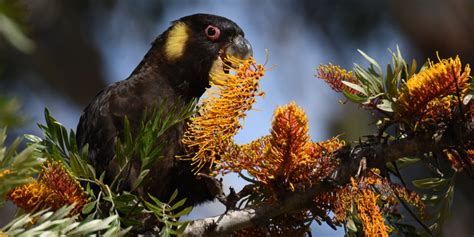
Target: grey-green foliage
58 223
61 145
376 90
11 30
9 112
143 145
169 213
109 199
17 167
440 198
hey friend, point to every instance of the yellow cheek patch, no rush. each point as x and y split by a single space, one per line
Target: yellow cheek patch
176 41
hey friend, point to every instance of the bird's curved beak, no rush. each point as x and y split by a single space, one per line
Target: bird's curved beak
239 48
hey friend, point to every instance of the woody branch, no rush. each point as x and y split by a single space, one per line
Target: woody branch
352 161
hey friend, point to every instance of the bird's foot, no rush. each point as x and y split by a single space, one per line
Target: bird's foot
214 185
230 201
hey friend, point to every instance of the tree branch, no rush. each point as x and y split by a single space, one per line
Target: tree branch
239 219
375 156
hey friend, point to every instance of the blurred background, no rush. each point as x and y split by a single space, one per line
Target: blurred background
59 54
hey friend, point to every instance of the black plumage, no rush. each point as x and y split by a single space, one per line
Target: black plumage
176 66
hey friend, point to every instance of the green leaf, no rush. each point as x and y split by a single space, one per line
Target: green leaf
185 211
178 204
431 183
58 223
371 61
80 168
143 144
155 200
138 181
390 83
351 225
432 200
93 226
412 69
173 196
33 138
354 98
385 105
11 31
125 197
88 208
406 161
372 81
355 87
21 166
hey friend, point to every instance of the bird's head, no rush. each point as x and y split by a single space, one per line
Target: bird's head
197 45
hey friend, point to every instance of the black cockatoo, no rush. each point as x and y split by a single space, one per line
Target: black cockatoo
177 66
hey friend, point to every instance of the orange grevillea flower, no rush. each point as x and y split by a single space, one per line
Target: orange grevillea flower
454 158
286 158
335 75
459 162
33 195
218 119
370 214
366 201
55 188
5 172
288 145
439 109
435 82
373 196
470 156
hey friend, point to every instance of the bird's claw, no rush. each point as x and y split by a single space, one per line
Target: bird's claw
215 186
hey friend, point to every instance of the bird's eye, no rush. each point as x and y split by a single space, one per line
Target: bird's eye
212 32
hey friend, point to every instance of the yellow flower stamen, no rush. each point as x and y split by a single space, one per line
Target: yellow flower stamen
435 82
286 158
5 172
55 188
370 214
335 75
218 119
